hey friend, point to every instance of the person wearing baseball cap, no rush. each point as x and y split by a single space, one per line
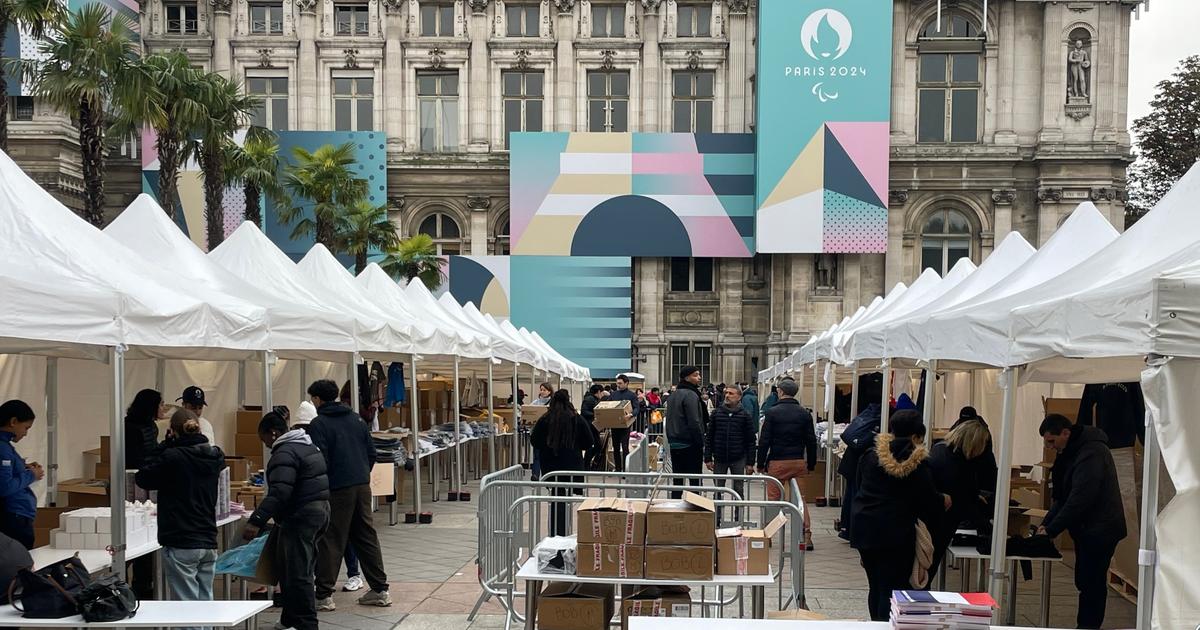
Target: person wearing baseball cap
193 400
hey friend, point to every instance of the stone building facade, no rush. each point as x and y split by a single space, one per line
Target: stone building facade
999 123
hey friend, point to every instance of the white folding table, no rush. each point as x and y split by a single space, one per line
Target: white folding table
968 554
686 623
156 614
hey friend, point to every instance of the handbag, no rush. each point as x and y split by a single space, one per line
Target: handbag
49 592
107 599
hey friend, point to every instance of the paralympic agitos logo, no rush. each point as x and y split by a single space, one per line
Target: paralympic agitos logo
825 36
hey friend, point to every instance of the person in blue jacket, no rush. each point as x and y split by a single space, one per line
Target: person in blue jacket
20 504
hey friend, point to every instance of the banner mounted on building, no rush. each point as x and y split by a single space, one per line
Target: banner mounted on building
824 104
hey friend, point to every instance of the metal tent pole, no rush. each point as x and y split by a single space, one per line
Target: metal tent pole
1148 554
516 431
491 419
304 379
815 382
854 392
160 375
885 411
268 394
241 384
999 573
414 405
51 430
355 400
830 395
930 401
116 457
456 473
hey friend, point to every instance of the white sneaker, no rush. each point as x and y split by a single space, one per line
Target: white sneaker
326 605
354 583
375 598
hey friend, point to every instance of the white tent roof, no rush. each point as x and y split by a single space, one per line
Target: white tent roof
324 271
46 244
420 297
295 331
899 295
1176 316
251 256
970 329
434 333
575 371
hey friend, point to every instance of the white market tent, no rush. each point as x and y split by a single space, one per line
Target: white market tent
435 333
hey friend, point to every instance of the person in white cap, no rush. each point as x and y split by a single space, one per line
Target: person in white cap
305 414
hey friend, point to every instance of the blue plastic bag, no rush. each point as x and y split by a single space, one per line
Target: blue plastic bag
241 561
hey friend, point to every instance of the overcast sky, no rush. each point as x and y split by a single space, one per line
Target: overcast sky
1161 38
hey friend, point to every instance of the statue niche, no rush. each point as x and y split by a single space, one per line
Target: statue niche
1079 74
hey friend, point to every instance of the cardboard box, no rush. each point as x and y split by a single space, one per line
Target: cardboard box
813 484
105 443
530 414
250 499
682 562
747 551
611 521
1068 407
247 444
690 521
563 606
82 493
434 386
616 561
239 468
657 601
256 463
382 484
247 420
611 414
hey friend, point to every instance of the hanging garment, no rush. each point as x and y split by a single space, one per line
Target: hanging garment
395 385
1118 409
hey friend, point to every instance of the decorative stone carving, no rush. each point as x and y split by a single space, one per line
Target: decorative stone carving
1077 108
479 202
739 6
395 203
478 6
307 6
1004 196
897 197
221 6
264 58
393 6
651 5
1050 194
693 59
437 59
608 59
565 6
351 57
1104 194
522 56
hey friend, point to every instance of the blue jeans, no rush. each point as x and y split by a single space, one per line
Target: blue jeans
189 573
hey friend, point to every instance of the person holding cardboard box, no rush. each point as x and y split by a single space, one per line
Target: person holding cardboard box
787 448
561 437
620 437
686 418
19 502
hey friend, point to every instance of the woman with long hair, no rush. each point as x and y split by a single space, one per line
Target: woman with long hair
955 463
561 438
141 440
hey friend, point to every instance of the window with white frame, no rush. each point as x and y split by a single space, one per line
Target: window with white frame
608 20
608 100
691 275
182 18
353 103
522 92
502 241
692 101
437 105
694 20
351 19
444 231
272 93
945 239
437 19
266 18
949 80
522 20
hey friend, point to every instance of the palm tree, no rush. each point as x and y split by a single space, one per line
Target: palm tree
88 69
174 106
255 166
364 227
323 178
36 17
227 109
416 257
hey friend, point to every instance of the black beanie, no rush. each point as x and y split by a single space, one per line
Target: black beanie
688 371
968 413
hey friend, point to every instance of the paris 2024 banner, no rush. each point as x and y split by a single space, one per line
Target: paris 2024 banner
824 103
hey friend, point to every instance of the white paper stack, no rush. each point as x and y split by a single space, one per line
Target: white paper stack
933 610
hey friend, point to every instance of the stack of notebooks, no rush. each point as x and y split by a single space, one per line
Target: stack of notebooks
928 610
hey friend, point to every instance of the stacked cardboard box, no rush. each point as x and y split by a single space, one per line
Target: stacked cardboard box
747 551
246 442
611 535
82 492
656 601
680 538
563 606
612 414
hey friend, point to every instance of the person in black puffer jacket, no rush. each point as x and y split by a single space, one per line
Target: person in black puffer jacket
298 501
345 441
895 490
185 472
787 447
955 466
1086 504
729 442
858 438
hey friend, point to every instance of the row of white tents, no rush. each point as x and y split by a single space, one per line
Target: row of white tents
1091 306
141 291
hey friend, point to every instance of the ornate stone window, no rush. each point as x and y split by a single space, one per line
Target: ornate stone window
437 107
692 101
608 100
522 20
272 93
523 100
353 103
351 19
182 18
692 275
445 233
694 20
949 80
608 20
437 19
697 354
946 237
266 18
501 242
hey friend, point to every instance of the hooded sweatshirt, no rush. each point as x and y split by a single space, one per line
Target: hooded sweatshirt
345 440
295 477
1086 493
185 471
895 489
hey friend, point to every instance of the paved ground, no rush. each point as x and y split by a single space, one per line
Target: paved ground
434 586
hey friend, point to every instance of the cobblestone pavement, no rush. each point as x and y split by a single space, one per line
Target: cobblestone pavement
432 573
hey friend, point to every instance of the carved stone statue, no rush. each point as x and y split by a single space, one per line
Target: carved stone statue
827 269
1078 63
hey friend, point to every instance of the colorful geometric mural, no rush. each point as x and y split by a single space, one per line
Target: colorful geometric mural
632 194
20 44
483 281
823 103
581 305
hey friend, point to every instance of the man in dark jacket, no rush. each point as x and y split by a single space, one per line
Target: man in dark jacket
750 404
298 501
620 437
185 471
1087 505
729 442
787 447
349 453
594 460
686 418
859 437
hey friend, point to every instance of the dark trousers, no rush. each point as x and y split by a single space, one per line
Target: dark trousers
297 555
686 461
351 561
620 448
888 569
18 528
1091 578
558 514
732 468
350 522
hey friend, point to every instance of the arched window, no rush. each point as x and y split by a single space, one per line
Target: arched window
444 231
500 245
945 238
949 80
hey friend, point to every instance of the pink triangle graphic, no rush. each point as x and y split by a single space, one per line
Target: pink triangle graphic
867 145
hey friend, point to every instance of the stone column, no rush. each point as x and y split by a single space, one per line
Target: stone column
899 77
306 66
651 85
564 61
1005 130
478 111
1054 73
737 114
1002 209
894 265
393 76
221 55
478 205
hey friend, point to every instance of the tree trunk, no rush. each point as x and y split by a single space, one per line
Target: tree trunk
91 152
214 195
325 234
360 262
168 170
253 205
4 24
